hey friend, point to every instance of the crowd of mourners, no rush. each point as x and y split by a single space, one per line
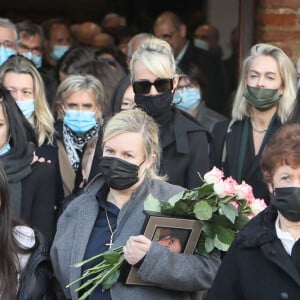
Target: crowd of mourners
94 118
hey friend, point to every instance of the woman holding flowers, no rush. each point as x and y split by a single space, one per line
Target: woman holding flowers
265 99
110 213
264 260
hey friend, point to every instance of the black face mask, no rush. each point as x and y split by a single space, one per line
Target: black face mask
287 201
118 173
158 106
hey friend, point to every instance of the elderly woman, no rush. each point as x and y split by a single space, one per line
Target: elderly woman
111 212
263 262
265 99
79 101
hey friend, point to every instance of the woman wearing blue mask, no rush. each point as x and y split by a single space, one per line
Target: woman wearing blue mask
190 97
79 101
22 79
265 99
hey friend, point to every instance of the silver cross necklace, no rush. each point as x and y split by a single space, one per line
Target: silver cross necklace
110 244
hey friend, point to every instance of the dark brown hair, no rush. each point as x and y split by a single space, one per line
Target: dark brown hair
283 148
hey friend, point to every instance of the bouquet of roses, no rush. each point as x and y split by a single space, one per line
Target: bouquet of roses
221 205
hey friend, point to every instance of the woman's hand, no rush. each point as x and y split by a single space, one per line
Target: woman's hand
136 248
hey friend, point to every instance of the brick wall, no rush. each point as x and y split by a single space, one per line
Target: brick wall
278 23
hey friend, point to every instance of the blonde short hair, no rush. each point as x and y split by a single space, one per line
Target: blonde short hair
287 71
157 56
136 120
76 83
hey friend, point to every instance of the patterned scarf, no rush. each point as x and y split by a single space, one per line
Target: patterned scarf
74 143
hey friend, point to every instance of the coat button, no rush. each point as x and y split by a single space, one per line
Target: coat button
284 295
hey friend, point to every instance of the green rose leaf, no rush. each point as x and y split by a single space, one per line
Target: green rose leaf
225 235
203 210
111 280
175 198
209 230
241 221
229 211
111 257
209 244
219 245
152 203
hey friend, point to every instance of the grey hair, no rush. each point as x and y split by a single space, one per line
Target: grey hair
7 23
135 42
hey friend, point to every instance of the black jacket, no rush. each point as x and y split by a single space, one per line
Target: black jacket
252 174
184 145
256 265
33 190
36 280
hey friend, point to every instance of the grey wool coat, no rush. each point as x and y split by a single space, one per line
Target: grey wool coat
176 276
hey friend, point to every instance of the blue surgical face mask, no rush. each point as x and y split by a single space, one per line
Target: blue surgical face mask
80 121
59 51
37 60
187 98
27 107
200 44
5 149
5 53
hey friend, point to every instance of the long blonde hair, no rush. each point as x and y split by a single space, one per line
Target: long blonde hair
287 71
42 119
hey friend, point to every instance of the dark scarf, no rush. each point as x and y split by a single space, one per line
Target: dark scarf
17 167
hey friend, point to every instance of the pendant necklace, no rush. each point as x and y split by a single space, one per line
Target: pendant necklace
110 244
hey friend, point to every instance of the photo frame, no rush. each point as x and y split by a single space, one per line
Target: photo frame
184 233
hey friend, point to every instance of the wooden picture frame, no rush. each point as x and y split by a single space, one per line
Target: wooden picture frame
186 232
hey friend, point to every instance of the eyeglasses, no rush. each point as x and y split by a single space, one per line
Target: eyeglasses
7 44
34 50
161 84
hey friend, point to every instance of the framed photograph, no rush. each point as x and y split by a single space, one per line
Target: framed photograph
178 235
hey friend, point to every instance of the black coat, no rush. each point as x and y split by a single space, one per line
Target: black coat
251 175
32 190
184 150
36 280
213 72
257 267
39 199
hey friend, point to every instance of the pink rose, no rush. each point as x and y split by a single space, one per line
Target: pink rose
229 186
257 205
214 175
244 191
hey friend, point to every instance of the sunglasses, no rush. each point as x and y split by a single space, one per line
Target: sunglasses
161 84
